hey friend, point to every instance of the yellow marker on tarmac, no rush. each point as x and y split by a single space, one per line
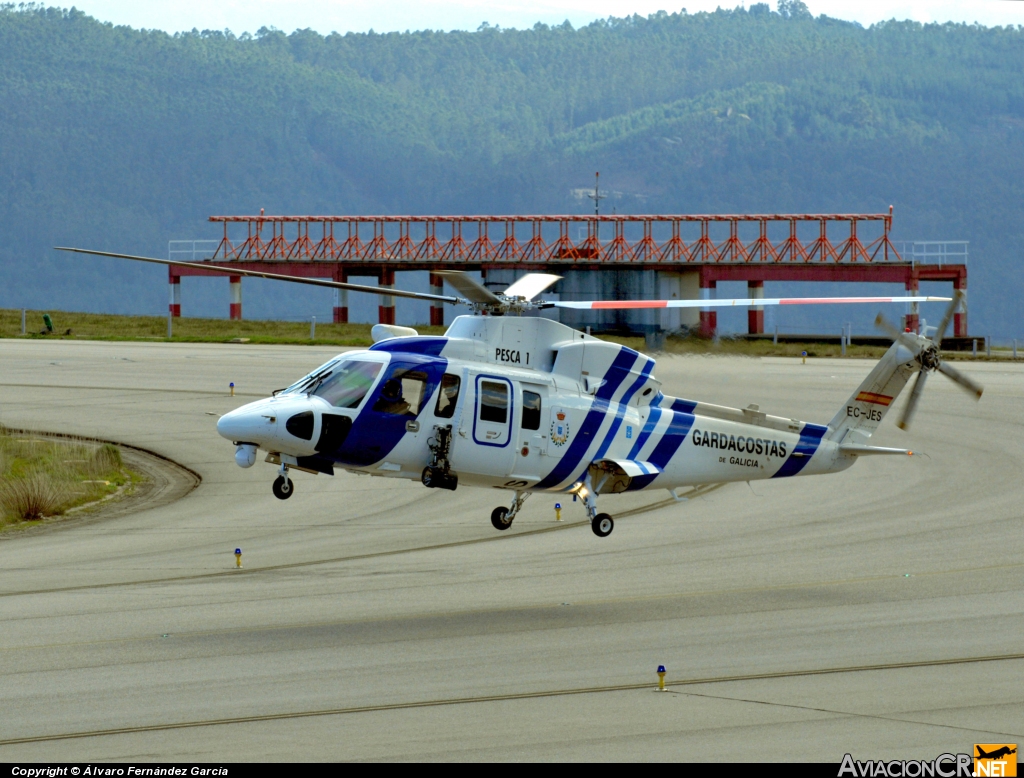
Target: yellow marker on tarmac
232 386
803 357
238 557
558 511
661 678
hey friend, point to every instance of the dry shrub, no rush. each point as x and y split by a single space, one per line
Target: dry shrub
32 497
44 477
107 457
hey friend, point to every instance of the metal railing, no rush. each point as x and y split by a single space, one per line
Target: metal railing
934 252
622 239
191 250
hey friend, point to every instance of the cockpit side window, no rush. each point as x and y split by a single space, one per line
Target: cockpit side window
348 384
448 397
402 393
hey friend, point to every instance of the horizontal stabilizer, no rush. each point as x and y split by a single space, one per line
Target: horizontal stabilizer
632 467
853 449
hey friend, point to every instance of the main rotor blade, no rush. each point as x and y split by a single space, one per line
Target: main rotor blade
738 303
469 288
915 395
273 276
940 331
961 380
531 285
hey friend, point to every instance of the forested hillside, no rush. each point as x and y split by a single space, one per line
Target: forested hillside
123 139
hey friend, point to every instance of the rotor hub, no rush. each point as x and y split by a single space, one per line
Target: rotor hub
929 358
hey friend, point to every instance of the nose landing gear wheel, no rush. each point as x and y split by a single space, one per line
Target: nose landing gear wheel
283 488
499 518
602 525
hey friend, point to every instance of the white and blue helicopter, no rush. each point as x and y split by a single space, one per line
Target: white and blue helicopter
525 404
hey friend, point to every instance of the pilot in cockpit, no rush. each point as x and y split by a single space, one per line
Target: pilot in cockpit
391 400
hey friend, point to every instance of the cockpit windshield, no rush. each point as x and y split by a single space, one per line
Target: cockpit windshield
308 380
347 383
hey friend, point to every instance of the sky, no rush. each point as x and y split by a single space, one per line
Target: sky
326 16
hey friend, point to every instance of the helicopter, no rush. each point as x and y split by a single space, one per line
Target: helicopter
526 404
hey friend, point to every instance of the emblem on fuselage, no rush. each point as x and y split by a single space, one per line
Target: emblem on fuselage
559 427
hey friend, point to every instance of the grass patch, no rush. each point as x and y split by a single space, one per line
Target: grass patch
101 326
42 477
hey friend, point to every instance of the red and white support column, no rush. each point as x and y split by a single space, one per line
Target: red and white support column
386 309
960 317
175 305
341 297
912 321
755 314
236 297
708 316
436 307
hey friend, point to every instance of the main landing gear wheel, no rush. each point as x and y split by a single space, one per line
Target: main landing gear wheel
499 518
602 525
283 488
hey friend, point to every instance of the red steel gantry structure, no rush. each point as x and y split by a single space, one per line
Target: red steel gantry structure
774 247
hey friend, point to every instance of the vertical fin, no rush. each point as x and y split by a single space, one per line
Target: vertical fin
867 406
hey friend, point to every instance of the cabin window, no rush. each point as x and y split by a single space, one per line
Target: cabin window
402 393
448 396
531 410
494 401
348 384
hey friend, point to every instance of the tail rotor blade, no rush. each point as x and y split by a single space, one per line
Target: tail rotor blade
911 407
940 333
884 324
961 380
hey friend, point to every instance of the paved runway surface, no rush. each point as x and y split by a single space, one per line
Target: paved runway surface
376 619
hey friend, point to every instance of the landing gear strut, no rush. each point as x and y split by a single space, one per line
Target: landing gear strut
438 475
501 517
283 487
600 523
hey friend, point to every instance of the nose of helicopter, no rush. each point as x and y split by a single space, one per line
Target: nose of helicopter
239 424
280 424
252 423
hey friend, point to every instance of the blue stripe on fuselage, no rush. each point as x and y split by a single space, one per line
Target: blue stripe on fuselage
667 447
621 412
375 434
810 439
683 406
673 404
652 422
581 441
431 347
